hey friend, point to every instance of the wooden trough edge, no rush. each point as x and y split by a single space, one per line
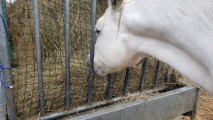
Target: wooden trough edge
165 106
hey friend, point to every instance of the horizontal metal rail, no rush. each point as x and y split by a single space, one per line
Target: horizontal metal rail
96 105
163 106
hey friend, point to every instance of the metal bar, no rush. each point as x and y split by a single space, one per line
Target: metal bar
165 106
96 105
127 79
7 100
143 74
67 52
157 72
169 75
197 103
4 14
38 56
91 73
109 86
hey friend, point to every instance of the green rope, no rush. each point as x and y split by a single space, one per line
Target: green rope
4 9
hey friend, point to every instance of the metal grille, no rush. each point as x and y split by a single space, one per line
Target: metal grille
83 88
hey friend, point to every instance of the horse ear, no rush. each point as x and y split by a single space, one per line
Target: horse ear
116 3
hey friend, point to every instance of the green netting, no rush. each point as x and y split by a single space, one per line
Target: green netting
25 76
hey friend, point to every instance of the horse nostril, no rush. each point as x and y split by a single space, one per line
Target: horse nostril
97 31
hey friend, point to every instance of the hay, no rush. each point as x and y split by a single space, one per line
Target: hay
205 109
25 76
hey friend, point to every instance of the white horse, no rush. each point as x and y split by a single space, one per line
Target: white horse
177 32
10 1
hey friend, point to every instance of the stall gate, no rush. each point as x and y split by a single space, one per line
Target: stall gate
43 66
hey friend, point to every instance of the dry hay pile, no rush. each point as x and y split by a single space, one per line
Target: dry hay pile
25 77
205 109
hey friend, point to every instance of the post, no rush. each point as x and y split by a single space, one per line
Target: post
67 51
127 80
197 103
109 86
91 72
157 72
169 75
38 56
143 74
7 100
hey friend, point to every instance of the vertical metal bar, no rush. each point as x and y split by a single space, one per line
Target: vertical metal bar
169 75
67 52
6 94
91 74
38 56
143 74
127 79
197 103
109 86
157 72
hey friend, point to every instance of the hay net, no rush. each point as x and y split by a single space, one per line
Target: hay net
24 72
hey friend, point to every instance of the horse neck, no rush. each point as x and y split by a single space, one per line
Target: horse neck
181 37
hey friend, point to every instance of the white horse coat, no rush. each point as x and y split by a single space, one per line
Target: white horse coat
177 32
